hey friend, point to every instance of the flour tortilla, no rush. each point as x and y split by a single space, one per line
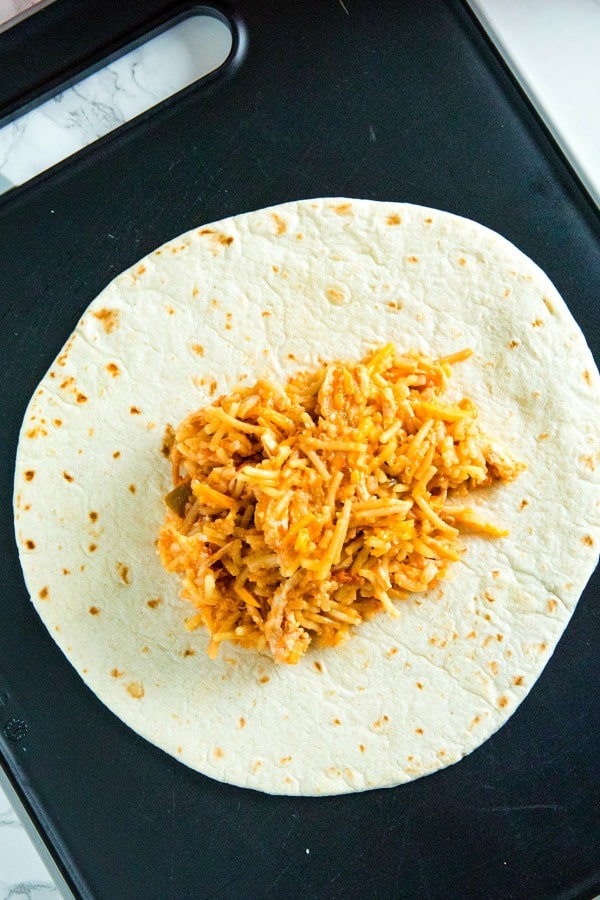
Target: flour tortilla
266 293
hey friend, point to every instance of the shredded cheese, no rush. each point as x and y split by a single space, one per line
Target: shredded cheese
307 508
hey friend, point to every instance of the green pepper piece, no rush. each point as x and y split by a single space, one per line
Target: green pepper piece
177 499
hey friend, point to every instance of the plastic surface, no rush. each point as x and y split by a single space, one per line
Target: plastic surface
393 100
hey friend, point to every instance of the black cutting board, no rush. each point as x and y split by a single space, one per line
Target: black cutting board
388 100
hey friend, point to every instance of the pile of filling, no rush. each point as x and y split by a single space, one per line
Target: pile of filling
299 510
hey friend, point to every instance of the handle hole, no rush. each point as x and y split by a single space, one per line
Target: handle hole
138 80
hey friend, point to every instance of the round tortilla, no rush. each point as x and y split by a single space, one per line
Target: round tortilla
264 294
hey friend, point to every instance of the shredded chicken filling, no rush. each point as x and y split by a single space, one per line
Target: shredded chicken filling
298 511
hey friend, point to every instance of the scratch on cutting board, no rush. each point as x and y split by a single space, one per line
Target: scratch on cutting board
344 7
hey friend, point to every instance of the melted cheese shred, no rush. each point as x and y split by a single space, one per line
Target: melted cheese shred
311 506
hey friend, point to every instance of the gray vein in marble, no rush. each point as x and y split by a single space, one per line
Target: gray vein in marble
28 890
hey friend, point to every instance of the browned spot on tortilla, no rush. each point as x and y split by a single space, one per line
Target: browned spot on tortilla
489 597
419 731
266 313
117 673
392 651
506 292
462 261
588 540
588 462
428 221
512 345
279 222
135 689
116 454
543 436
334 295
264 679
256 766
318 666
206 231
395 304
66 571
154 602
109 319
493 667
66 383
336 721
141 269
242 722
487 640
36 432
189 652
198 348
29 474
587 377
93 516
124 573
503 701
496 573
380 722
537 323
394 219
518 680
68 477
342 209
132 488
212 386
92 548
551 604
30 544
94 611
57 422
113 369
471 635
474 722
548 305
419 685
412 259
134 410
44 593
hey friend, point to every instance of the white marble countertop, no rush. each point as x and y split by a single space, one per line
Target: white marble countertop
551 44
